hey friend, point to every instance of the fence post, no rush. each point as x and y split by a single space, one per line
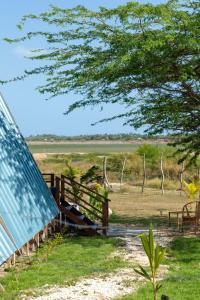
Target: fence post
57 191
52 180
105 216
62 188
144 173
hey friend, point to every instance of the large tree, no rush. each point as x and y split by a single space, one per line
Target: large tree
143 56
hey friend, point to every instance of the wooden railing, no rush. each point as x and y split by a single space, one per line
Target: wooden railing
49 179
65 189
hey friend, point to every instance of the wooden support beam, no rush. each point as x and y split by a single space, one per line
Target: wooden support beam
105 217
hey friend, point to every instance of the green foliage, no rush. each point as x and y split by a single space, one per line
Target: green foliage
93 174
50 244
143 56
71 172
95 200
155 256
152 153
56 163
191 190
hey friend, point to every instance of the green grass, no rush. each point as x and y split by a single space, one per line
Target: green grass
135 220
72 259
183 280
82 148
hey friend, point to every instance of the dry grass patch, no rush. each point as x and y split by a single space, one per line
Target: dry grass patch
135 207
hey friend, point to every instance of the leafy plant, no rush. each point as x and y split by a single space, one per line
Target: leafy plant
152 154
155 256
92 175
92 178
71 172
191 190
95 199
49 245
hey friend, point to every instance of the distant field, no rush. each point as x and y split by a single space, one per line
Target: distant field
81 148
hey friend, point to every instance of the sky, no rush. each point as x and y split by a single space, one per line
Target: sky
33 114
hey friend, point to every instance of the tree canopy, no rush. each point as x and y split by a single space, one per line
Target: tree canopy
145 57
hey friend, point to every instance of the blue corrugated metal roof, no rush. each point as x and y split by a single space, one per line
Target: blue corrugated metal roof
26 204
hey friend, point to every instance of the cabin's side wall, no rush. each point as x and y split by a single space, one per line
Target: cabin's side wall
26 205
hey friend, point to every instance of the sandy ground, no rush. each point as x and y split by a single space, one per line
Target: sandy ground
109 286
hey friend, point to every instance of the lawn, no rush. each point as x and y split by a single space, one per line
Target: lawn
183 279
75 257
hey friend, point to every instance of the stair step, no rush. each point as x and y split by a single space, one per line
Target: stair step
76 217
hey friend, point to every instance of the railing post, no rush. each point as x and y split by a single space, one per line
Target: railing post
52 180
105 216
57 192
62 188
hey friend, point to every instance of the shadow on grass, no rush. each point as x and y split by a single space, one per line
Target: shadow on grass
146 221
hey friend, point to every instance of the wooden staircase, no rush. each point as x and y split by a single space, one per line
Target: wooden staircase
74 202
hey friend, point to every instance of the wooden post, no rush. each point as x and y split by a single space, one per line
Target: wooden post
144 173
9 262
13 259
181 178
54 225
37 239
60 218
27 249
52 180
122 172
57 192
162 173
62 187
46 231
105 178
105 216
50 228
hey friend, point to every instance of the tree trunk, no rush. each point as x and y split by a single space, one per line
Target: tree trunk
122 172
144 173
162 173
181 178
105 178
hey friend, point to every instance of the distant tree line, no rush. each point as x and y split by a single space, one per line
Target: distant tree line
96 137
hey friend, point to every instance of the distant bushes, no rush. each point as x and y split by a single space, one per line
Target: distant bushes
133 170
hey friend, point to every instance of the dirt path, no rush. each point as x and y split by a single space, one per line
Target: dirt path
107 286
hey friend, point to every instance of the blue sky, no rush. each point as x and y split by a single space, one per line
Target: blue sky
32 112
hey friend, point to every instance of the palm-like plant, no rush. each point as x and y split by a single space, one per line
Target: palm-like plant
155 256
